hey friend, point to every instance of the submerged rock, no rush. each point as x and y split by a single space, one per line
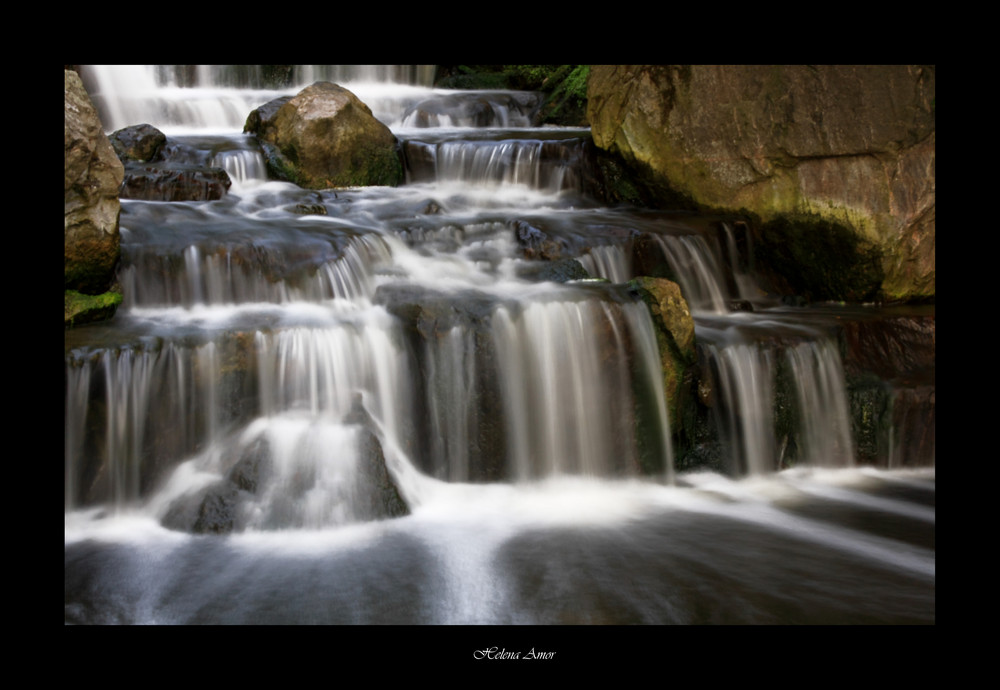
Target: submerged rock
261 491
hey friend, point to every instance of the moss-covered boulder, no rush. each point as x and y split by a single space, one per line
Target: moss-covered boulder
81 308
815 147
674 327
93 176
326 137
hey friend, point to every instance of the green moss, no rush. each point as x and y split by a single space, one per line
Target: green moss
279 167
81 308
376 166
382 167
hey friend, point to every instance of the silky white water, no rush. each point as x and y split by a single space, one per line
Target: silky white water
379 415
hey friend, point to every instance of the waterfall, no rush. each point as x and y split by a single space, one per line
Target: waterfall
568 410
155 401
780 392
607 261
698 272
822 398
545 165
210 274
745 379
442 403
179 99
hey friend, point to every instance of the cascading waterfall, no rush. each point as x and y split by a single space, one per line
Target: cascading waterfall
745 381
387 406
179 99
219 275
698 272
744 367
566 411
817 371
156 400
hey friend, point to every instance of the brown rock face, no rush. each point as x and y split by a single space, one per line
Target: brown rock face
847 145
93 177
326 137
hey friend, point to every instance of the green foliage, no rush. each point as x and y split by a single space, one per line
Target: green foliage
564 85
559 81
472 77
532 77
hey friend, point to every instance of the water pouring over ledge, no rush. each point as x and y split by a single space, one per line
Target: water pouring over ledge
379 415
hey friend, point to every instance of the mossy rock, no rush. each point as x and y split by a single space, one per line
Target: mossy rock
673 326
325 137
81 308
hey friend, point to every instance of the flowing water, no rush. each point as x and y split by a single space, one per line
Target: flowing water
375 405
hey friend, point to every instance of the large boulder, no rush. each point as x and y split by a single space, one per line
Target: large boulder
92 181
326 137
841 159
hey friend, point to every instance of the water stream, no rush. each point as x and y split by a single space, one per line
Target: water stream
374 406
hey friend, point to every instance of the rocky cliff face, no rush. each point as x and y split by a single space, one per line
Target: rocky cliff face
836 162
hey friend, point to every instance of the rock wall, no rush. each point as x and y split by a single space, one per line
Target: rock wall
846 152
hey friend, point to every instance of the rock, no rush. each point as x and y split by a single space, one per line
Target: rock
218 511
852 147
254 487
93 176
81 308
900 347
667 304
142 143
674 327
535 243
160 170
261 120
444 329
561 271
326 137
175 183
377 496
